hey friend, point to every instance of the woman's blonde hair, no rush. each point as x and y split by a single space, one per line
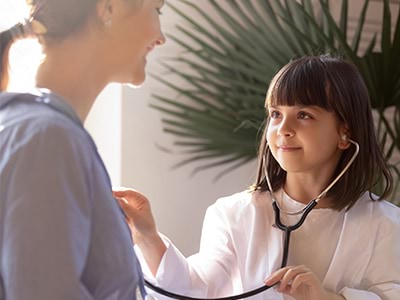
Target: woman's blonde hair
51 20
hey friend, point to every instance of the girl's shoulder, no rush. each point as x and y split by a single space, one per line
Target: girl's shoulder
244 203
244 199
379 211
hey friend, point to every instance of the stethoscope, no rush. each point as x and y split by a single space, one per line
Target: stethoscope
287 230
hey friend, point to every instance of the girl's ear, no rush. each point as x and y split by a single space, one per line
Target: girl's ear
343 140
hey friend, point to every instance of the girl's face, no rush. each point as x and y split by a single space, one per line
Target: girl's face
305 139
133 34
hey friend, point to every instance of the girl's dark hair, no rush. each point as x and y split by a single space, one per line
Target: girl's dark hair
336 86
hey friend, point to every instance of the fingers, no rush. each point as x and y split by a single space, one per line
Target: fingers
123 203
129 196
137 211
292 278
122 192
131 201
275 277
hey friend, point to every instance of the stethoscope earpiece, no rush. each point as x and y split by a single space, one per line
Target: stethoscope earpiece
278 224
325 191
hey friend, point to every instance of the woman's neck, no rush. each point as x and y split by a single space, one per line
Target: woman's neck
69 70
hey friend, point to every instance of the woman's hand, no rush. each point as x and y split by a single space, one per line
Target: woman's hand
141 221
301 283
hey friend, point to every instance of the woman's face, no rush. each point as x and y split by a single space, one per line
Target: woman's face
133 34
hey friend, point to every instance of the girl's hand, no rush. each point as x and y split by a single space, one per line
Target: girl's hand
141 221
138 213
300 283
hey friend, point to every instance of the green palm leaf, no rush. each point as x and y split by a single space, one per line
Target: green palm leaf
219 109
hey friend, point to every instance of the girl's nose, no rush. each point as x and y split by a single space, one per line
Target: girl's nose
285 129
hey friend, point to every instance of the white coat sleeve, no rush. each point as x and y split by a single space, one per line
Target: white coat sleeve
205 274
46 219
382 277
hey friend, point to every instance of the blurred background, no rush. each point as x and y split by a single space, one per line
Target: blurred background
130 134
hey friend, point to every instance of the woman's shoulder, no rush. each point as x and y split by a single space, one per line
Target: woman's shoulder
29 126
32 118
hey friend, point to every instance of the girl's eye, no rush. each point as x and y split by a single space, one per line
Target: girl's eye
159 11
304 116
274 114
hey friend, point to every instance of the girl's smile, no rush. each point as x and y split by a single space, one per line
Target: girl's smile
285 148
304 140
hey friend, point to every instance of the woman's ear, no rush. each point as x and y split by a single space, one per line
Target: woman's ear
105 12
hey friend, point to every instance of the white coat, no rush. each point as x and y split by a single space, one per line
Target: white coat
240 248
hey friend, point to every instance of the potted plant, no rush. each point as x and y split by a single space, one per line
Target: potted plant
227 70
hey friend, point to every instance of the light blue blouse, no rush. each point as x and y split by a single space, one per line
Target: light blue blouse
62 235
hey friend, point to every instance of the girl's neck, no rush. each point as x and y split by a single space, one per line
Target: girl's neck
304 188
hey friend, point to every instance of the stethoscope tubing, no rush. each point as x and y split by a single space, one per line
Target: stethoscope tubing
183 297
287 229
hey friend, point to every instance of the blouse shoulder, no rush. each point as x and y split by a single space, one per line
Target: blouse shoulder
22 116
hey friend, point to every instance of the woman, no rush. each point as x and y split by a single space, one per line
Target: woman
62 234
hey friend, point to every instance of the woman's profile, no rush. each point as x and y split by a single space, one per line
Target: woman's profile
62 234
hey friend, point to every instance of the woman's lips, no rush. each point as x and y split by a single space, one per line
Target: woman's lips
150 48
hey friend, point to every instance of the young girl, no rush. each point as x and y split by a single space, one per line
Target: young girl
62 236
348 246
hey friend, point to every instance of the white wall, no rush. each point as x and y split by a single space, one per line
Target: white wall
105 125
178 201
128 132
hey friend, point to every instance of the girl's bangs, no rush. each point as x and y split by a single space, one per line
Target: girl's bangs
302 83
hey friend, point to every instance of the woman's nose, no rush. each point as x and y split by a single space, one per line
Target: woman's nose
161 39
